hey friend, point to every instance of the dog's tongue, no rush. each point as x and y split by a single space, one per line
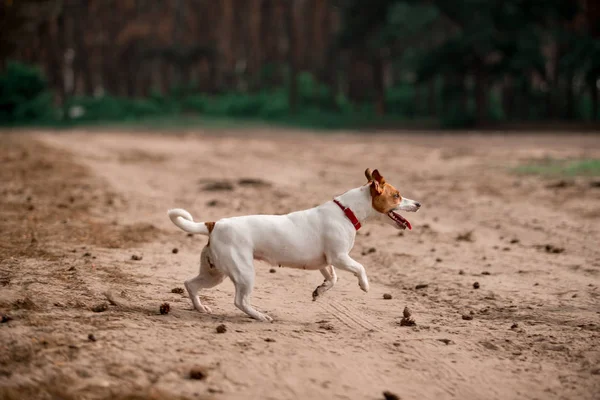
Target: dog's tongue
399 217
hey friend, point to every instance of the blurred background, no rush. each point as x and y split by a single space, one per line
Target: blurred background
317 63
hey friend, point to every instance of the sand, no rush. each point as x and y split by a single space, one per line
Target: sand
85 320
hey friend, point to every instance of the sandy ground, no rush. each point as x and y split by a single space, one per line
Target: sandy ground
76 206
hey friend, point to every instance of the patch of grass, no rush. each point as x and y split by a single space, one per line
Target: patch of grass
553 167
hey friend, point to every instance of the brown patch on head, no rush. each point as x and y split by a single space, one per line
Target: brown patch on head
210 226
385 197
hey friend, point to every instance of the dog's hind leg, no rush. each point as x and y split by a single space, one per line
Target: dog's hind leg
330 280
209 276
240 268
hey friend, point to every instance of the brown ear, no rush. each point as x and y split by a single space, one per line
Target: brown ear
377 176
375 188
368 174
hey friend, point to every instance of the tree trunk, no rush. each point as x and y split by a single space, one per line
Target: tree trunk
292 59
110 75
481 106
82 58
54 63
178 28
463 93
331 75
508 98
255 55
417 100
549 100
594 95
128 64
431 98
226 67
379 84
569 96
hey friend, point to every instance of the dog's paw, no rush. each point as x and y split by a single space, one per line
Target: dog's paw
364 285
203 309
264 318
315 294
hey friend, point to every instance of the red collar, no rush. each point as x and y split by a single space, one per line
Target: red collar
349 214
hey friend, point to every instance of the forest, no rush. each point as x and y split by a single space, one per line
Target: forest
325 63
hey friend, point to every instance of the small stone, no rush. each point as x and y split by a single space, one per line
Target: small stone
164 308
91 337
554 250
272 270
387 296
387 395
406 313
485 273
514 326
198 373
461 272
135 257
221 328
514 241
421 286
467 317
438 260
476 285
100 307
269 340
369 251
177 290
87 254
327 327
175 250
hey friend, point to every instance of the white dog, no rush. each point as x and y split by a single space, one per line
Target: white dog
318 238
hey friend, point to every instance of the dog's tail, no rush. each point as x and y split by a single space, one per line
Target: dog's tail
184 220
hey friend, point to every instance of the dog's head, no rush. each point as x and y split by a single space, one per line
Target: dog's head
388 202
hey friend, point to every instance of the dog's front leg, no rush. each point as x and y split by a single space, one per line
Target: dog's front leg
330 280
347 263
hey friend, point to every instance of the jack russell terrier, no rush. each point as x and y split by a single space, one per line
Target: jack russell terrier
315 239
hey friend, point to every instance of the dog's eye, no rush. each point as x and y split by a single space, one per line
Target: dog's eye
396 195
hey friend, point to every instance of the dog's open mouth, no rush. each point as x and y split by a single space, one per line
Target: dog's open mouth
400 220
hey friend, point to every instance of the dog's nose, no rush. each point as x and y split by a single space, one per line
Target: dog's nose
417 204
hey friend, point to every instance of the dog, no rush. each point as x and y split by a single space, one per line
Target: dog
319 238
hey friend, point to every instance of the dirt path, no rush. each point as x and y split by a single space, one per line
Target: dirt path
535 327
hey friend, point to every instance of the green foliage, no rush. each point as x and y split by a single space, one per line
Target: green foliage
400 100
24 96
554 167
239 105
109 108
313 93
